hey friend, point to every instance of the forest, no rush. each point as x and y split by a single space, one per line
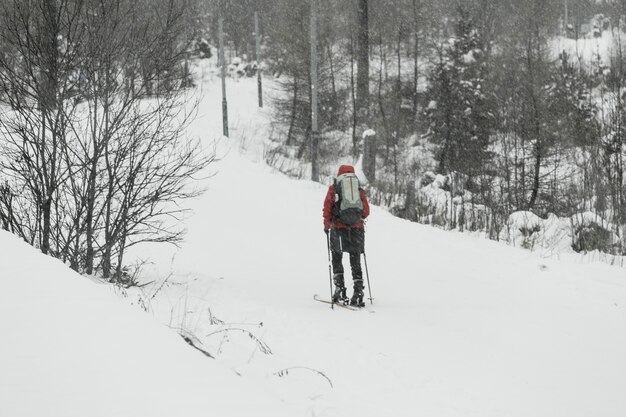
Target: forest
481 110
461 114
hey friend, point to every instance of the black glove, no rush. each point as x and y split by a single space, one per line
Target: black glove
326 231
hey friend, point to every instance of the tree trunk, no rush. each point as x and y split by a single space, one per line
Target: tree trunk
396 135
415 59
89 220
120 258
48 103
369 157
334 110
363 71
381 105
46 210
536 175
355 140
314 96
410 210
91 195
294 104
537 131
108 235
109 238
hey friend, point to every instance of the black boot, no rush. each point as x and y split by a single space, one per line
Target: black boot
340 295
340 290
357 297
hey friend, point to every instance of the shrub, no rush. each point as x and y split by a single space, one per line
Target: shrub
529 234
591 237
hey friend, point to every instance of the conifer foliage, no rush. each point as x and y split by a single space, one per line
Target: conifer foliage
459 112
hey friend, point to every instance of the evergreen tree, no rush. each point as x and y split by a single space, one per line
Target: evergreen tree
572 113
459 111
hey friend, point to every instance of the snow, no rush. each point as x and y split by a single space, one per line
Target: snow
524 219
368 133
588 217
460 326
553 236
72 348
529 231
587 49
468 58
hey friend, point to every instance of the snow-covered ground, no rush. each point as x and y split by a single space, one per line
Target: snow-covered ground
459 326
588 50
71 348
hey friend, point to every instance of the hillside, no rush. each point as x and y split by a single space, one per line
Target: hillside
459 326
71 348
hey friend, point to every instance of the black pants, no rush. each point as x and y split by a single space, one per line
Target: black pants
355 265
351 240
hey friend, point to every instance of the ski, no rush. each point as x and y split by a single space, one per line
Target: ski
342 305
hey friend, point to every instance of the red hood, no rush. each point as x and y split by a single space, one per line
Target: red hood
344 169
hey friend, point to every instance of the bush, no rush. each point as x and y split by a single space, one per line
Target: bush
427 179
592 237
529 234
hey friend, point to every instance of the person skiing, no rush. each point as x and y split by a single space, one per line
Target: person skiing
345 207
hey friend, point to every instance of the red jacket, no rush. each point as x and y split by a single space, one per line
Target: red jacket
329 220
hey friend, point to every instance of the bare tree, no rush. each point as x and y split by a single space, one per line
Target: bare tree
96 130
35 75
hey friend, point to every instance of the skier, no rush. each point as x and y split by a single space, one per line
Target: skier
345 207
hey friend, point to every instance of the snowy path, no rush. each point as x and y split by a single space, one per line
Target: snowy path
462 327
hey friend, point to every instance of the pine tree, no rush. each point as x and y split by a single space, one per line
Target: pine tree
572 111
459 112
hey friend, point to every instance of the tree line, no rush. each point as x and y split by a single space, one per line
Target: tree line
94 156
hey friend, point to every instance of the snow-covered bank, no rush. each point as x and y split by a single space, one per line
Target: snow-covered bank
70 347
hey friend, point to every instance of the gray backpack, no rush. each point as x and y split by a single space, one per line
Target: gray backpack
348 207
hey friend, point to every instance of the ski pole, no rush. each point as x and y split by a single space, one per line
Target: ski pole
367 274
330 270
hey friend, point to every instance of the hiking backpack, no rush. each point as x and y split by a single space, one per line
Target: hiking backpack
348 207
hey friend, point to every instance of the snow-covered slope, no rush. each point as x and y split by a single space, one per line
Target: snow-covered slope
459 326
71 348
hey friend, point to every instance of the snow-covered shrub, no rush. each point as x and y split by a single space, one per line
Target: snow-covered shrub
427 179
202 49
524 229
592 237
557 234
591 232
